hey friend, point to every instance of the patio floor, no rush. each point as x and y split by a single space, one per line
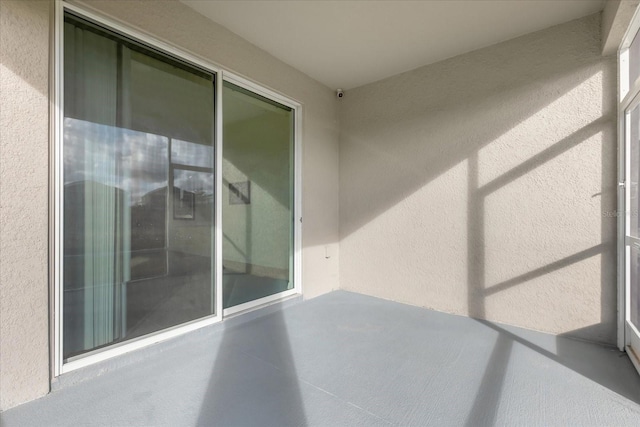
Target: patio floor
347 359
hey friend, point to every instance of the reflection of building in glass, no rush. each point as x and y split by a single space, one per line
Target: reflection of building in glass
149 235
184 204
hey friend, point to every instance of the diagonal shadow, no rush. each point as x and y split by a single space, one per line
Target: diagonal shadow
538 272
575 355
246 388
579 356
546 155
485 406
431 145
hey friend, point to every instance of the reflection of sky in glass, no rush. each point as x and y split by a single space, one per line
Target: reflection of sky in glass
189 153
193 181
135 162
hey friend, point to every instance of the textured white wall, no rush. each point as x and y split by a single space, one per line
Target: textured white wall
24 193
484 185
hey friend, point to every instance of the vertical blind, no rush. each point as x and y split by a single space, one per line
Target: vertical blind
127 269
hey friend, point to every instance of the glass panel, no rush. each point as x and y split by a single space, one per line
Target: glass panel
634 298
257 199
138 229
634 230
188 153
634 60
634 172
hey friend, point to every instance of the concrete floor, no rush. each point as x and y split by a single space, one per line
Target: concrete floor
348 359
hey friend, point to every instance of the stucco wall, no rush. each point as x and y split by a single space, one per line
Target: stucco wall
484 185
24 192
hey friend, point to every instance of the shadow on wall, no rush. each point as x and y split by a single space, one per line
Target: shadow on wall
498 197
28 68
500 171
253 380
576 355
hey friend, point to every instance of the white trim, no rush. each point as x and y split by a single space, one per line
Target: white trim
627 289
627 166
297 200
623 75
220 75
632 99
632 356
628 337
626 276
248 84
631 32
142 37
135 344
58 223
259 303
635 330
218 185
621 196
633 345
297 191
120 348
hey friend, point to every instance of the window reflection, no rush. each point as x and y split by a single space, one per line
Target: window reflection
257 207
132 268
188 153
138 190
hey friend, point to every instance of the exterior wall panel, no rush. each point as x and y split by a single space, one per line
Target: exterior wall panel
485 185
24 196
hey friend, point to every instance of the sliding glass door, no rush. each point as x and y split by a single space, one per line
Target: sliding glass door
175 197
257 197
629 222
138 190
632 233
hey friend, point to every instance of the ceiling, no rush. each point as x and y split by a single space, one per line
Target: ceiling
345 44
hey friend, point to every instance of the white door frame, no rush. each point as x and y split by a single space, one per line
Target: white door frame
297 192
628 99
56 213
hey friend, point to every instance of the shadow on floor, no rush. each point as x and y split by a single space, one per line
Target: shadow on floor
609 368
246 389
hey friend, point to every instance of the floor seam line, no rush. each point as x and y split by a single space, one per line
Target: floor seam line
300 379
